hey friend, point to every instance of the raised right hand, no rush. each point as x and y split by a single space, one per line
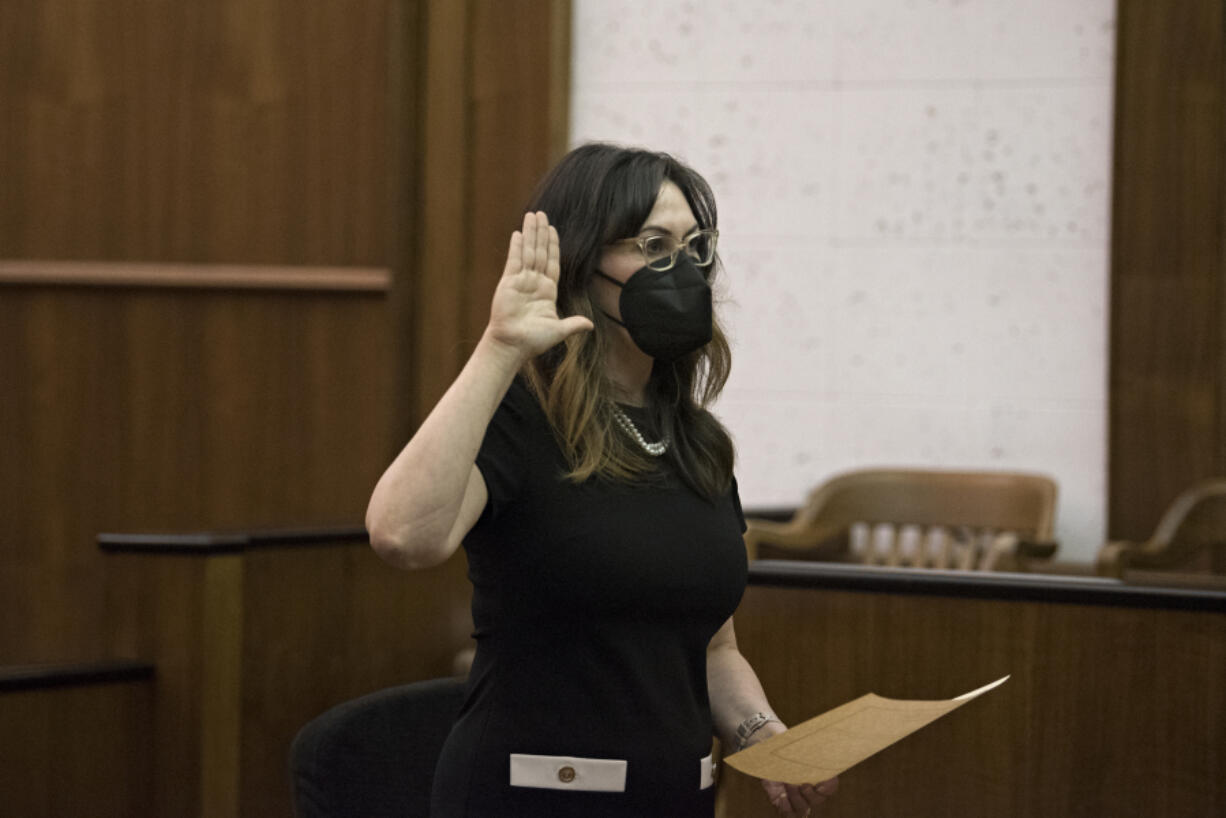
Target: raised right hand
524 313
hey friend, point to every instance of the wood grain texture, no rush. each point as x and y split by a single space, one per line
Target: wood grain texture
1109 711
1168 277
251 646
221 685
149 410
202 276
157 610
241 131
438 280
81 749
496 80
323 625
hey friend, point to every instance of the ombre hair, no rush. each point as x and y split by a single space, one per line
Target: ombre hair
599 193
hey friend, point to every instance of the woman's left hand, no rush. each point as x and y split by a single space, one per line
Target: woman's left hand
798 801
792 800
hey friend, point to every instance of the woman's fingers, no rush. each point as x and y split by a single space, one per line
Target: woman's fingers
553 267
575 323
780 796
796 799
812 795
542 242
793 801
528 253
515 252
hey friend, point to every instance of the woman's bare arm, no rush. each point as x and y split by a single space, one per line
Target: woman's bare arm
736 695
432 493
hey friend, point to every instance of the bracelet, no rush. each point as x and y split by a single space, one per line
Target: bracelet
751 725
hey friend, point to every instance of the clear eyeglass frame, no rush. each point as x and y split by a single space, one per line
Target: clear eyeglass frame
660 251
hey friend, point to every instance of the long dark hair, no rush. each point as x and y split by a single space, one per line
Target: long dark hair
596 194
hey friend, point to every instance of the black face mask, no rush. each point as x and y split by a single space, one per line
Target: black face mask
667 313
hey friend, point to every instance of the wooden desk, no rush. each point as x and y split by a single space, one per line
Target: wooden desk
1116 705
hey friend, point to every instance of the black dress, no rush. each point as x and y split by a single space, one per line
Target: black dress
593 606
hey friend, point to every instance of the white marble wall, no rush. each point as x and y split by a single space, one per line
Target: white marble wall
914 203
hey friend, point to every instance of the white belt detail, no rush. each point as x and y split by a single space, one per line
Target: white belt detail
568 773
706 773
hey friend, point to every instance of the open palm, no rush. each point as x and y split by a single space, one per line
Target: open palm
524 313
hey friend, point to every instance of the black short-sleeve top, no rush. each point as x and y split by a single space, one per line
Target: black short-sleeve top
593 605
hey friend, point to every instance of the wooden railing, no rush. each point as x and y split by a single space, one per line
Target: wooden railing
198 276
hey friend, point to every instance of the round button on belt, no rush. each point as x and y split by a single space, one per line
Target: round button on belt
566 774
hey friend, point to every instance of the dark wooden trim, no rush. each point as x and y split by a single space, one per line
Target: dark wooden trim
193 276
981 585
32 677
230 542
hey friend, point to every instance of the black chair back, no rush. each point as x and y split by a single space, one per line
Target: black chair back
374 756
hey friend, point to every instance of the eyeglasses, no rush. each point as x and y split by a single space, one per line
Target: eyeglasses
660 251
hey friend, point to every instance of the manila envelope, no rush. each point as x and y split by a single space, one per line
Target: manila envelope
839 739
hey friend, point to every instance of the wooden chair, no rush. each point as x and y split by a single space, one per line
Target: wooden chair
1190 537
921 518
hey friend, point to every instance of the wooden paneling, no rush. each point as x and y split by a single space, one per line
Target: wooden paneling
496 100
234 133
435 283
250 646
510 150
1168 303
170 410
256 144
241 131
1110 710
324 625
79 749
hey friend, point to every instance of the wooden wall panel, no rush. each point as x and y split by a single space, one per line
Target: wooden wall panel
511 150
326 624
231 132
497 96
223 131
250 646
77 750
173 410
1110 710
234 132
1168 313
433 285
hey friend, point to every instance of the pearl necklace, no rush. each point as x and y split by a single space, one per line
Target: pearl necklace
624 421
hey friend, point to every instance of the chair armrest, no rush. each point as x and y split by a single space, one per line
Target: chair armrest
791 536
1037 549
1114 558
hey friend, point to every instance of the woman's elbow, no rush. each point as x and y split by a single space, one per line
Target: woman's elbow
397 547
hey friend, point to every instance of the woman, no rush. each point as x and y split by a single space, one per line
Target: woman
574 460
